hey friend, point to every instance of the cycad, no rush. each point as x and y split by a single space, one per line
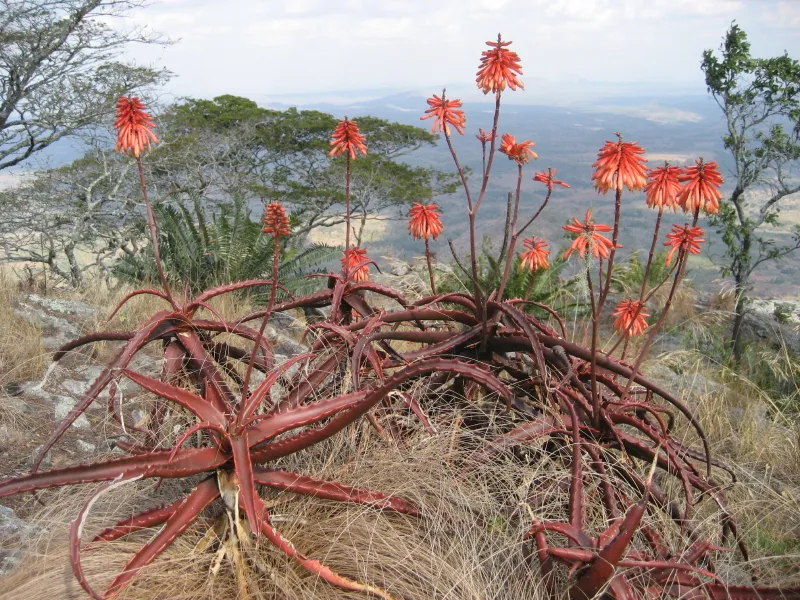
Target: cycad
202 251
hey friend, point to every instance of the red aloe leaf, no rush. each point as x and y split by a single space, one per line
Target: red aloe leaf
134 293
143 520
200 407
602 569
306 384
301 484
183 516
91 338
186 462
576 509
150 331
461 298
339 422
521 319
194 429
232 287
313 566
277 423
263 388
316 299
527 431
243 467
219 394
453 341
377 288
609 364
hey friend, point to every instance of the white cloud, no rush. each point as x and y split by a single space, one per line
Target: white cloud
276 47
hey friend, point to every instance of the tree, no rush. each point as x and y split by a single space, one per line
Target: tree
58 73
73 219
760 98
283 155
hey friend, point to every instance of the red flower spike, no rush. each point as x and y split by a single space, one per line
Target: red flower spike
484 137
631 318
589 238
276 222
351 258
535 257
619 163
499 68
684 238
424 221
518 152
548 178
701 191
346 138
447 113
663 187
134 127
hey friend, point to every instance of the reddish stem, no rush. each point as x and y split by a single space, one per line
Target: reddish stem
270 305
514 236
153 229
430 266
614 240
346 266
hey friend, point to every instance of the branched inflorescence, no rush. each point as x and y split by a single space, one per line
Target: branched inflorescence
597 414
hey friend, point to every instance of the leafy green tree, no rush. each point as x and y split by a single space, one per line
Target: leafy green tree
760 99
58 73
283 155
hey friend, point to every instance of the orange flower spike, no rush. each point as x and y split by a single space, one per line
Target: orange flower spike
589 238
663 187
535 257
499 68
134 127
484 137
548 178
350 260
519 152
346 138
619 163
701 191
685 238
424 221
631 318
276 222
447 113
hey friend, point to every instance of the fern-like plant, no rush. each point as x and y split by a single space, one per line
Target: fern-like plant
203 249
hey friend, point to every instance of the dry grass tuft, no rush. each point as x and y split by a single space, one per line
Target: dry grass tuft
22 356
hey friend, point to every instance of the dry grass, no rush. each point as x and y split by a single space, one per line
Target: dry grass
22 356
465 546
750 433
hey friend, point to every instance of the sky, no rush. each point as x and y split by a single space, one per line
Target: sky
286 50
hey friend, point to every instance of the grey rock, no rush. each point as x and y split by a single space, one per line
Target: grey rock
287 346
85 447
47 461
62 407
11 526
9 559
76 387
59 306
400 269
13 531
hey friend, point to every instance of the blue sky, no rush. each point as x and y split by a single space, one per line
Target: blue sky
286 49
